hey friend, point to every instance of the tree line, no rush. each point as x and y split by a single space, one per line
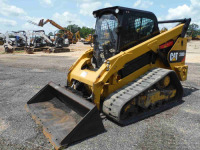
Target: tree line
84 31
193 30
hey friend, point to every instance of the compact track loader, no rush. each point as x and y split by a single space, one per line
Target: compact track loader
132 72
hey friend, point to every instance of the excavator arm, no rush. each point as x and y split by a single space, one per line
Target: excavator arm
42 23
78 36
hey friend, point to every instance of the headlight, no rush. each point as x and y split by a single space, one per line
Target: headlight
117 11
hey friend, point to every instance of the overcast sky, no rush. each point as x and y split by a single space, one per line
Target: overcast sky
15 13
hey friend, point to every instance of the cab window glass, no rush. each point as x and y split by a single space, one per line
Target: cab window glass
135 29
146 27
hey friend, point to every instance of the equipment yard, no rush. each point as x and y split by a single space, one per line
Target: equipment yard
23 75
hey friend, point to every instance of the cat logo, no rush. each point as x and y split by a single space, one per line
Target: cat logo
177 56
173 56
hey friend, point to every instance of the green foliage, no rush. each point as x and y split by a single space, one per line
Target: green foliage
73 28
50 34
84 31
193 30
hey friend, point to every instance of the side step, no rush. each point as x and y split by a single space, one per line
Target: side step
65 117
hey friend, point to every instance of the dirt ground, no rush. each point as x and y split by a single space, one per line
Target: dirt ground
75 51
23 75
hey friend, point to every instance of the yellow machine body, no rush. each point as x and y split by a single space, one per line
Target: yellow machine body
132 72
77 37
105 81
88 39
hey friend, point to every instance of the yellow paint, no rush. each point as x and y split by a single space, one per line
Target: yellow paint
104 80
179 67
157 96
166 81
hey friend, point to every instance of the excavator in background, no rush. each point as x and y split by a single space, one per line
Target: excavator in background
40 41
10 38
18 44
88 39
2 38
20 38
132 72
66 32
61 42
77 37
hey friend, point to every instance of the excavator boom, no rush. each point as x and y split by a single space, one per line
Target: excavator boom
77 37
69 33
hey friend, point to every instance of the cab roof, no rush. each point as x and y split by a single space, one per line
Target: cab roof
123 9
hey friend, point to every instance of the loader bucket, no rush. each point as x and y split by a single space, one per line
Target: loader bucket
65 116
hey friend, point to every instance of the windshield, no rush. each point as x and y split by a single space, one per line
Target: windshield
106 37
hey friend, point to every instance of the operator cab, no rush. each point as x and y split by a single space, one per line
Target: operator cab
38 39
19 41
61 39
118 29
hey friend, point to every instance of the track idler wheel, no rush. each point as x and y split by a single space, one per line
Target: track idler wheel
163 83
129 110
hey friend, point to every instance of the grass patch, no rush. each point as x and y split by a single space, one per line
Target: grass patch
20 51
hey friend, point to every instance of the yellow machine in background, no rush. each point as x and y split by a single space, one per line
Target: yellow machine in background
198 37
163 30
189 38
77 37
133 72
88 39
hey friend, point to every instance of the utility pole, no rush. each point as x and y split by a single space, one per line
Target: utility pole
69 22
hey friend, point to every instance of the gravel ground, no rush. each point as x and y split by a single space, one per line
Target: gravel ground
21 77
